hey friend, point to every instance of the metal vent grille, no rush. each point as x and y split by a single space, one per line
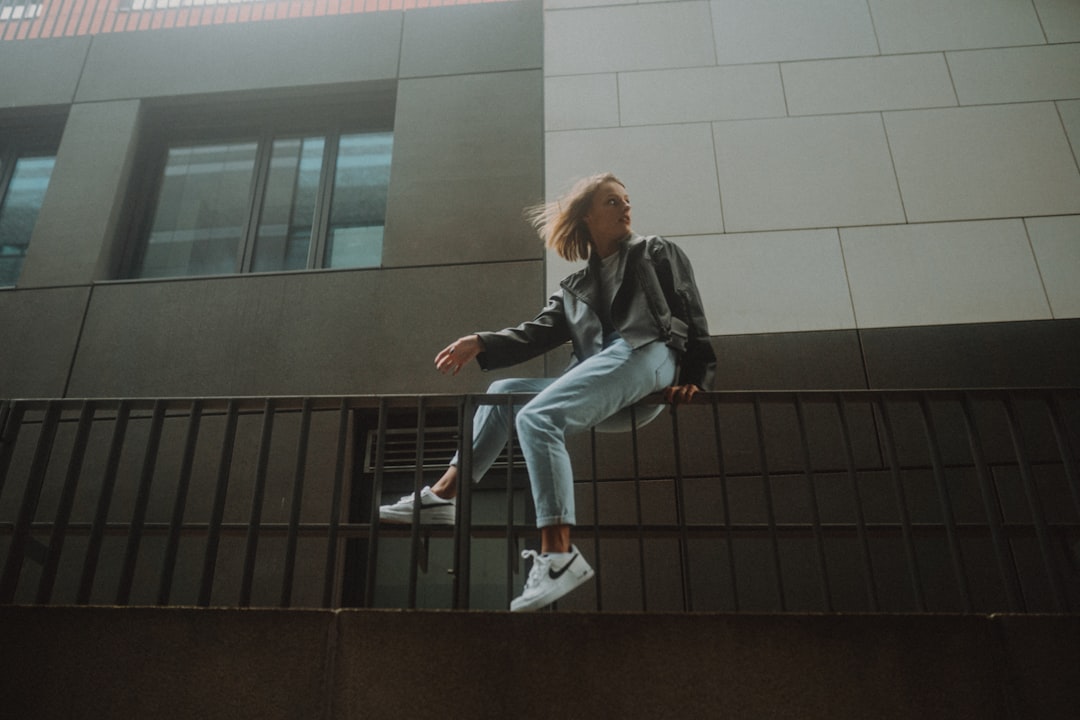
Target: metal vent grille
440 444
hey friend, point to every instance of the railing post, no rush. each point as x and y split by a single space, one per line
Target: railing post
947 514
815 513
856 495
213 535
11 418
721 470
991 504
183 485
680 514
20 538
1038 517
101 516
418 480
901 502
257 497
142 500
299 472
67 502
771 513
463 528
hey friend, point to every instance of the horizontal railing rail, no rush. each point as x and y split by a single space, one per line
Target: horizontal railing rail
33 19
823 501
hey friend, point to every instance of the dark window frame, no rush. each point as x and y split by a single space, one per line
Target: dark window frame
30 137
173 124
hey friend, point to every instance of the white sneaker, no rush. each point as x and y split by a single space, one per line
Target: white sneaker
552 576
434 510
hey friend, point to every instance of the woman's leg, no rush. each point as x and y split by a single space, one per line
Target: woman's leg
491 431
587 394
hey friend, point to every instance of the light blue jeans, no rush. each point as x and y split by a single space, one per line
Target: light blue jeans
597 392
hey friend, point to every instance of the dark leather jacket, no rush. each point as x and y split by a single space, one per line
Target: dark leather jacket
657 299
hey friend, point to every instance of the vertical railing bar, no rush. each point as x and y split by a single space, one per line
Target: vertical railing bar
28 508
722 472
1065 448
183 485
596 519
860 518
11 420
1003 553
418 482
101 516
945 498
463 527
638 514
258 497
142 501
901 502
213 535
680 514
512 555
67 502
299 472
1042 532
770 512
815 511
376 493
330 574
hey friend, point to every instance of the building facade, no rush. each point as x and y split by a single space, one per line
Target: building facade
250 199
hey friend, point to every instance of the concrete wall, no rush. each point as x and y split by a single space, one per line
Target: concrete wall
107 663
839 167
468 156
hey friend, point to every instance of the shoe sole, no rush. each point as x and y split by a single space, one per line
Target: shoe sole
557 592
443 517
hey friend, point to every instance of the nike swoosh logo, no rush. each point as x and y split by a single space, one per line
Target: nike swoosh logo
556 575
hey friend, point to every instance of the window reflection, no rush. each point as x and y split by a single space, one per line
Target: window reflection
19 211
269 205
201 211
359 204
289 205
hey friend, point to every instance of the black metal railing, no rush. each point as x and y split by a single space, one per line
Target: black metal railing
33 19
878 501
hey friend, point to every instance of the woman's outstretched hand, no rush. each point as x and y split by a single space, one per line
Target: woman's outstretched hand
458 354
680 393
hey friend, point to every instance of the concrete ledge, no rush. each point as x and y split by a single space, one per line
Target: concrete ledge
184 663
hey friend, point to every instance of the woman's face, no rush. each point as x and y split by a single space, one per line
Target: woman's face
608 218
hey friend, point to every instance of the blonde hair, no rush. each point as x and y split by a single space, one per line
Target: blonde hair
561 222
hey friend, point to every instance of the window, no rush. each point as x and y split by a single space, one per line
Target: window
166 4
19 9
275 200
25 168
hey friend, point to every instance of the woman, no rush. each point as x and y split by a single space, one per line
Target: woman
635 320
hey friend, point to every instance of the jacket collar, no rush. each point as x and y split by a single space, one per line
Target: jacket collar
585 283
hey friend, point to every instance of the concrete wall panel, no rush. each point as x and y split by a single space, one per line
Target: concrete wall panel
461 40
296 334
867 84
993 161
468 158
640 37
921 25
79 215
39 331
943 272
243 57
40 72
766 31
